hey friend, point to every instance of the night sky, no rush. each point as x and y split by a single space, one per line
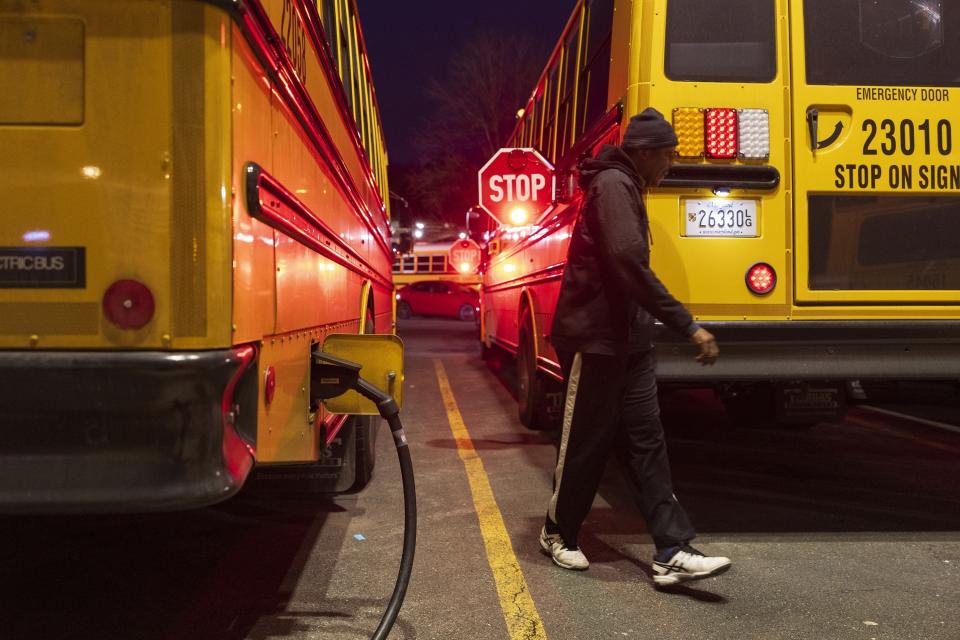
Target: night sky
409 44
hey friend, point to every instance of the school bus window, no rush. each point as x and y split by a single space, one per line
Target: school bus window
901 29
537 116
369 129
534 119
329 17
595 100
595 60
351 62
550 113
599 27
730 41
884 243
357 73
567 92
892 43
365 105
346 69
364 88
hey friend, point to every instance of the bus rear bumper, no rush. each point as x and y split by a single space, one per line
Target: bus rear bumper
813 350
92 432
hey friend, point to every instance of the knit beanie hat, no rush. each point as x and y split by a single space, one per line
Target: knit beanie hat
649 130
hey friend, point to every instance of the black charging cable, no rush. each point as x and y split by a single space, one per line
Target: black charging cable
331 377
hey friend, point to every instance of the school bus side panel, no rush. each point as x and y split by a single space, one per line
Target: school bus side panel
501 301
253 242
110 177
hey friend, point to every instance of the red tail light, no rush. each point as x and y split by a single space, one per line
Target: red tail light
721 133
128 304
761 278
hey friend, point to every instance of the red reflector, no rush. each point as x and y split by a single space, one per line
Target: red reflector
720 137
761 278
128 304
269 385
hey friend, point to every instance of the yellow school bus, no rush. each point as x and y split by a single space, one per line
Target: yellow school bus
809 220
194 197
431 261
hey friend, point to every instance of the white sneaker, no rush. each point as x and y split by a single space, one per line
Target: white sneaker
688 564
552 545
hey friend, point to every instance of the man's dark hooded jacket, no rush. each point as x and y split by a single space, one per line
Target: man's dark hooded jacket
609 295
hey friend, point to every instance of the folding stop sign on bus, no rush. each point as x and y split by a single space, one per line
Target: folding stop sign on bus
516 186
465 255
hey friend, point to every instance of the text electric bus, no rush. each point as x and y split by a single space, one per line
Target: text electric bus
811 216
194 196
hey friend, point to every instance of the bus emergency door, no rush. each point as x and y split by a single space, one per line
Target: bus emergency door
876 177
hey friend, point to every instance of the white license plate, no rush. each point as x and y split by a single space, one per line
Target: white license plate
738 218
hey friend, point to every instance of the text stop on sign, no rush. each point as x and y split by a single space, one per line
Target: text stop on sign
516 186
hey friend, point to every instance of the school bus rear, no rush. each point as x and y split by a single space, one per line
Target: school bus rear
811 216
115 254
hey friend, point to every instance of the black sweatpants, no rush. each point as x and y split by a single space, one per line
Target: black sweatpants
612 401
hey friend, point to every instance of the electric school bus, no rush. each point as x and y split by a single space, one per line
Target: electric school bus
194 200
810 220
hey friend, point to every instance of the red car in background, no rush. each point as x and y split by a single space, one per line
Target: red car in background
438 298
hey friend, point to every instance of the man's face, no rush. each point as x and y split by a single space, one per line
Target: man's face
653 164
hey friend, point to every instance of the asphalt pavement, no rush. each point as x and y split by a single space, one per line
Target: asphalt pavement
842 530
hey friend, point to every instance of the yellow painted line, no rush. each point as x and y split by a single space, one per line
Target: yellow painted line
519 611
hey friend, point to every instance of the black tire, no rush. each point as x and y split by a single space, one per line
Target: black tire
467 312
487 354
403 310
366 428
365 440
531 396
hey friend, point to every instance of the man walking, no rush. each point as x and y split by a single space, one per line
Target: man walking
602 332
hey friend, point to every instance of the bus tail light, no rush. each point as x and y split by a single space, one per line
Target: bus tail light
721 133
688 125
761 278
128 304
754 126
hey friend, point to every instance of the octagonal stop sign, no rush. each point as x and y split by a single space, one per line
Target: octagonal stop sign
465 255
517 186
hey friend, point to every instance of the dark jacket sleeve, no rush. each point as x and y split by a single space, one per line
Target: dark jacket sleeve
622 242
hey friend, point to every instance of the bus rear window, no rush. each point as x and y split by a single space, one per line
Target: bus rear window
884 243
889 43
729 41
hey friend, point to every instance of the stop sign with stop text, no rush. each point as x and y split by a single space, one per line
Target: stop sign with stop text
465 255
516 186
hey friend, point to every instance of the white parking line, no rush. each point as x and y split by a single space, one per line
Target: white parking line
929 423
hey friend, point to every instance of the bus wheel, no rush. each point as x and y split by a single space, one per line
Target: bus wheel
466 312
531 396
487 354
403 310
365 441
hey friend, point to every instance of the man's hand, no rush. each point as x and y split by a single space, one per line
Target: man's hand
709 351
